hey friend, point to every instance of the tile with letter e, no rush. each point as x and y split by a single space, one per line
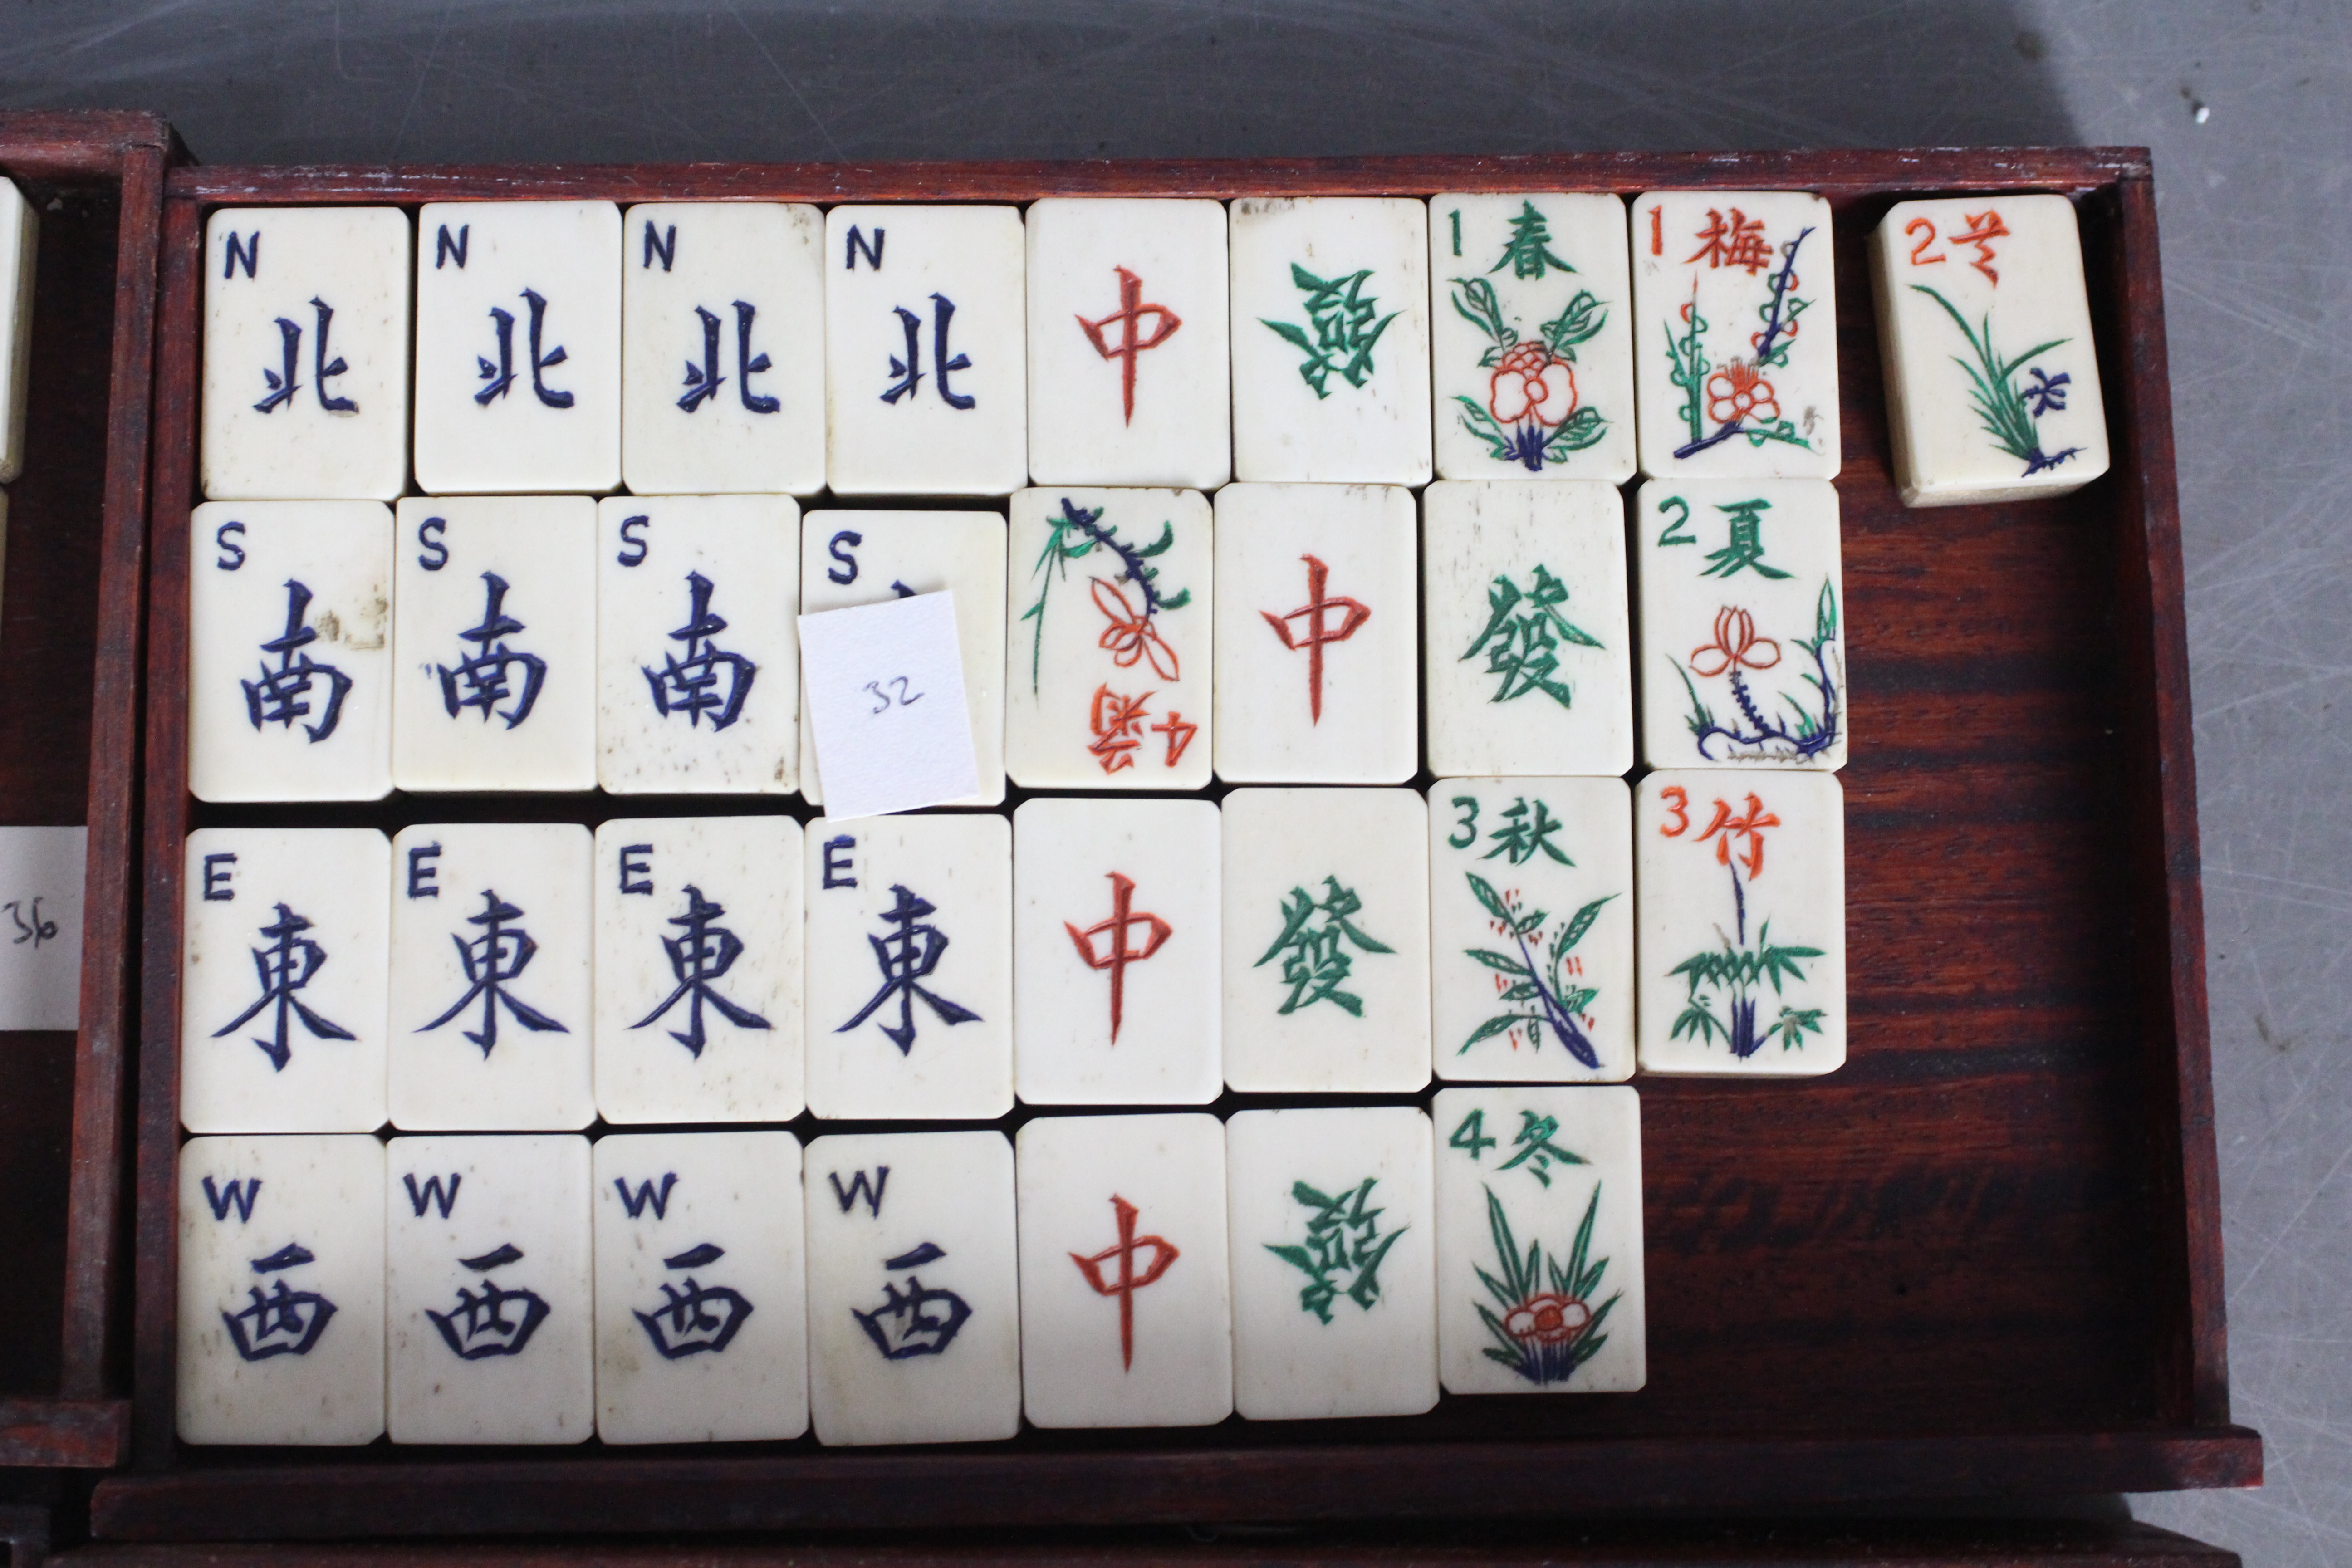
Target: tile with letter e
306 354
701 1294
1334 1245
1992 386
1541 1284
925 369
1126 1305
1331 321
41 878
1326 940
722 370
866 557
1116 953
1735 328
491 958
914 1297
1531 336
518 347
289 651
1316 635
698 681
286 956
1531 929
1128 376
1741 900
494 633
1743 624
909 963
1529 651
1108 596
20 232
281 1290
490 1307
699 968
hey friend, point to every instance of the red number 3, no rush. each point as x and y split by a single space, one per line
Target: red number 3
1677 800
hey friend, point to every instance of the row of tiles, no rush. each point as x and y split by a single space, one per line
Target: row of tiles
1156 1271
1092 952
1110 639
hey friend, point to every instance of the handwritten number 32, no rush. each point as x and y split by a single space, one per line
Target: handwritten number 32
884 700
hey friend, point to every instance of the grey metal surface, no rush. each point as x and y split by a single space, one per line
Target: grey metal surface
2258 259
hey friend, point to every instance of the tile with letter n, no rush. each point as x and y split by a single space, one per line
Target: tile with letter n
1326 940
851 558
1126 1305
489 1307
1116 954
1992 386
1734 335
20 231
1528 650
1331 322
698 680
518 347
491 958
1541 1285
722 342
910 956
494 639
1531 929
1740 883
281 1290
1743 624
285 958
701 1291
1108 599
291 667
913 1288
699 968
1334 1244
1531 336
926 374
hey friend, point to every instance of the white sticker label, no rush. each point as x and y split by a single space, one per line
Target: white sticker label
40 926
887 702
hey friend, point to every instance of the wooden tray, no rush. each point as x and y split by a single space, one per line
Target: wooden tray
70 638
1983 1259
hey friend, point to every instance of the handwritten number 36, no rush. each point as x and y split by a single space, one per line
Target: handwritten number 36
884 700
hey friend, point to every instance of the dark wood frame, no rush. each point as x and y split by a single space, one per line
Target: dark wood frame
1491 1460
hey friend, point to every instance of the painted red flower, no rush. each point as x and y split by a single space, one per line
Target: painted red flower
1736 644
1546 1320
1738 391
1530 386
1132 635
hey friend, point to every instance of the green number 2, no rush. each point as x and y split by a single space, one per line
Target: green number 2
1674 534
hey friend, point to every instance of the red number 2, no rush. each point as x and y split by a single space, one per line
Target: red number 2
1914 226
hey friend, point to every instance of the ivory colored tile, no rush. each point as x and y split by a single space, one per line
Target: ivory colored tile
1326 940
306 354
1531 928
494 633
1964 286
699 968
701 1294
491 958
1126 1303
734 293
1739 283
281 1291
1743 624
289 651
487 1279
1527 652
1316 635
518 347
697 663
866 557
914 1294
1330 320
925 376
42 871
909 967
1107 677
1742 882
1129 377
1531 336
1541 1285
286 956
1334 1246
20 234
1116 953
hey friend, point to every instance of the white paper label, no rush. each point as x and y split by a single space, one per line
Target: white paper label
40 926
887 702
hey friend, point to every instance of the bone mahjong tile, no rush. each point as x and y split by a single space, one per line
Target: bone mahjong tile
20 233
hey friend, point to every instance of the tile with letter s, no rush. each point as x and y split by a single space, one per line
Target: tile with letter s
20 233
41 876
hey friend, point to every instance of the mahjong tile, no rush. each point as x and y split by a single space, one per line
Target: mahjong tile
20 234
